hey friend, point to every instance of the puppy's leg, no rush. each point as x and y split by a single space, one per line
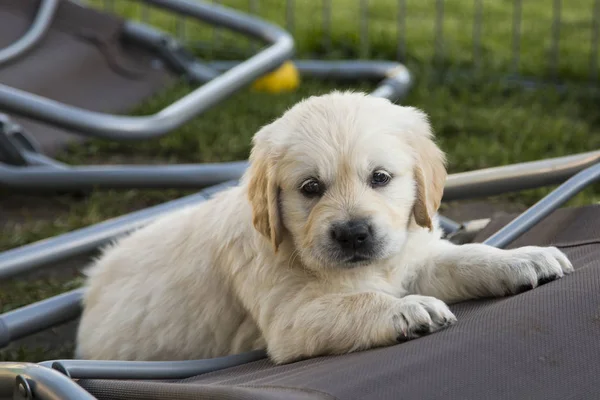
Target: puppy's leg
342 323
461 272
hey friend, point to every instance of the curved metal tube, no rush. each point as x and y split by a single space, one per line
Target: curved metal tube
194 176
39 316
116 127
92 369
544 207
44 383
36 32
395 78
515 177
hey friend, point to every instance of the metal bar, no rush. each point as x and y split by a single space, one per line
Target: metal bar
170 50
31 381
352 70
133 127
515 177
9 152
448 226
34 35
193 176
395 78
396 86
39 159
39 316
544 207
91 369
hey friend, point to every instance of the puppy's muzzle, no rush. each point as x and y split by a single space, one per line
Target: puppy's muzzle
354 239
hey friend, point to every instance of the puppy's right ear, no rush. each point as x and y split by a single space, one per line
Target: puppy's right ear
263 191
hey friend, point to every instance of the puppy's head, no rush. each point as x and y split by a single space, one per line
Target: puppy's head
344 177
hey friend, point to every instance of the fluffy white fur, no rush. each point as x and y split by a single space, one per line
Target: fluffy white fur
257 266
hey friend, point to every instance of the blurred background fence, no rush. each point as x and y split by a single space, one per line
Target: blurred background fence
552 41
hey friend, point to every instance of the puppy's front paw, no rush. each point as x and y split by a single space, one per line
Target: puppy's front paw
416 316
532 266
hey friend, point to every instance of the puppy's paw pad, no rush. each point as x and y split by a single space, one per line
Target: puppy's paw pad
421 330
525 287
547 279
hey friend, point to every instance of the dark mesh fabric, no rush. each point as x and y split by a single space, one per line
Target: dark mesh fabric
81 61
541 344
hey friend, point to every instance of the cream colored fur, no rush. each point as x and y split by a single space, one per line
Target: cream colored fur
253 267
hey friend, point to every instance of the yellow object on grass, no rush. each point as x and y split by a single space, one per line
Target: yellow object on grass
284 79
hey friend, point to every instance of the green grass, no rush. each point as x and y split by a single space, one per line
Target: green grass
412 34
479 122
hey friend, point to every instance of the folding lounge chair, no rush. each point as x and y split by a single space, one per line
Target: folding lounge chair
541 344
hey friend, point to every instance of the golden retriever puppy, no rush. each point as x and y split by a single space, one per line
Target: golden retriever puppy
329 245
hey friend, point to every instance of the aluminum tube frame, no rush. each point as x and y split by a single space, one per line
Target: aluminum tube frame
34 35
48 178
395 78
84 369
169 50
51 380
345 70
39 316
448 226
464 185
516 177
27 381
117 127
544 207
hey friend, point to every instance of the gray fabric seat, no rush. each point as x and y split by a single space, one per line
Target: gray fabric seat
541 344
82 61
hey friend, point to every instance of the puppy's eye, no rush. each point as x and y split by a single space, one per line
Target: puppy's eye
380 178
311 187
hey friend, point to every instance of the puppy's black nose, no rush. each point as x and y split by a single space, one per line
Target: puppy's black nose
352 235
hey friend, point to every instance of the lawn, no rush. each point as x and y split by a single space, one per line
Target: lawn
479 120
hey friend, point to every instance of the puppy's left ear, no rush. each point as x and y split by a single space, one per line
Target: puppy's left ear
263 191
429 170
